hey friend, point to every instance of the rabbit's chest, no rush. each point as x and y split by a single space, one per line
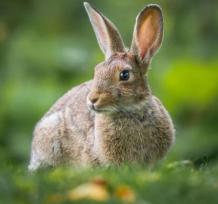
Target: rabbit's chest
124 139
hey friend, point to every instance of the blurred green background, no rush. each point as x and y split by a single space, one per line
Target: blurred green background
46 47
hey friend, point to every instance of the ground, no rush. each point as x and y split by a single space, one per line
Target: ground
170 182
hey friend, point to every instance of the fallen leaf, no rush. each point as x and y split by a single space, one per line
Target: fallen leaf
99 181
90 191
125 193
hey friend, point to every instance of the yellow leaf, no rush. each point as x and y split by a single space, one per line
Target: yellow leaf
125 193
92 191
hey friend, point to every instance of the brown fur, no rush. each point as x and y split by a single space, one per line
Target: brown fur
106 120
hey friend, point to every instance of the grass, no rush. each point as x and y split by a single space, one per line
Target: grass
178 182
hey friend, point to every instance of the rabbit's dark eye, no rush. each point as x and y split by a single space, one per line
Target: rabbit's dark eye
124 75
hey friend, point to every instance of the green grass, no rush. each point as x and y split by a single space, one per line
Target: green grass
178 182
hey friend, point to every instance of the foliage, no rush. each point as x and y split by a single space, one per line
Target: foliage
174 183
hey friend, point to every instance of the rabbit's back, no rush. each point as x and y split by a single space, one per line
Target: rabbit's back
73 108
73 99
65 132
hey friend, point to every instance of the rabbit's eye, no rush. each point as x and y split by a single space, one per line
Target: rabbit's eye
124 75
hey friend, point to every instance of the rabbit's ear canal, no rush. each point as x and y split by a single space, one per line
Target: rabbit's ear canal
148 33
108 36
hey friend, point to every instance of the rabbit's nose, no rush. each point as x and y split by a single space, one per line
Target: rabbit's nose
93 99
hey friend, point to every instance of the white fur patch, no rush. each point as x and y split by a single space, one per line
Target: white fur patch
51 120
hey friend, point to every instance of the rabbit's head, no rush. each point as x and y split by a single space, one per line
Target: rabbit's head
119 82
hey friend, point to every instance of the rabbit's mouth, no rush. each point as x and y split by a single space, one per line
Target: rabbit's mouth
98 107
93 107
101 110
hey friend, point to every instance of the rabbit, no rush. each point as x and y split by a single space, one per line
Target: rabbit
114 118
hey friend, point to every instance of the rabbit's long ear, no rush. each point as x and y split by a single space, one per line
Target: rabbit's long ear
148 33
108 37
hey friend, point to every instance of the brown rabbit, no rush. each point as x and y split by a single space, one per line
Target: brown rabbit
113 118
